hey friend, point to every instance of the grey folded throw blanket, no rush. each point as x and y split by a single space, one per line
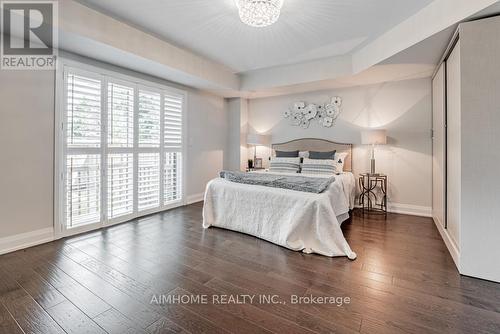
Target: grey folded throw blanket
300 183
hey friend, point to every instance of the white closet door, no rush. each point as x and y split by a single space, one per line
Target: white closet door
439 147
453 151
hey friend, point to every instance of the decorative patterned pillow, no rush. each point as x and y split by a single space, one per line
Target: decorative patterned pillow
340 159
304 154
320 167
285 165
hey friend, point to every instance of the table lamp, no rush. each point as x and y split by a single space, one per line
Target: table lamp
256 140
374 137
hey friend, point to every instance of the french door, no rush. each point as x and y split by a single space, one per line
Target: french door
119 149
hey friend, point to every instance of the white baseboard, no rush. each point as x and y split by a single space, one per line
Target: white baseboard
37 237
195 198
407 209
25 240
450 244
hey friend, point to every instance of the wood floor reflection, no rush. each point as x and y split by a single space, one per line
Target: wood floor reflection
404 280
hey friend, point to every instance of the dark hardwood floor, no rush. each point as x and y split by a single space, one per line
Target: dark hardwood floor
404 280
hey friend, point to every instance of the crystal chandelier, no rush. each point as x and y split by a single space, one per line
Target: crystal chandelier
259 13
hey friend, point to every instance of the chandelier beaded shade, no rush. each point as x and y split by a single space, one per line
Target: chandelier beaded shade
259 13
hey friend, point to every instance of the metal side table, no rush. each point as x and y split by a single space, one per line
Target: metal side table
368 199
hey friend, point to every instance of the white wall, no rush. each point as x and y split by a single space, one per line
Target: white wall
403 108
26 151
207 131
238 127
27 146
233 154
243 134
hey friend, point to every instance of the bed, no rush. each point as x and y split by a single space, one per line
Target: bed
297 220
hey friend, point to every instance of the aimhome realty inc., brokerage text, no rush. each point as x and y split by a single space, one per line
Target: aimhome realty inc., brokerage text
240 299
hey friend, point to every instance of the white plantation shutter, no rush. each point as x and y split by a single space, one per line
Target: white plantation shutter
173 121
83 156
120 185
173 105
83 186
83 112
149 180
122 150
149 127
149 119
120 168
120 116
172 178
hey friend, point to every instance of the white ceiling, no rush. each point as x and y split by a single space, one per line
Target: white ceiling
307 29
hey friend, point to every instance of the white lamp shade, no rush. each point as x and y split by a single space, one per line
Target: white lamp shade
374 137
257 140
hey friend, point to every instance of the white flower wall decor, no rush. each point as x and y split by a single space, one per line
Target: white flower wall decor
302 114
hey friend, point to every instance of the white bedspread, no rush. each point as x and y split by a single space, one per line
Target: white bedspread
293 219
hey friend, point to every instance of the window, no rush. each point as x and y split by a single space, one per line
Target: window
120 185
120 149
83 112
83 200
149 180
121 146
149 119
120 116
173 147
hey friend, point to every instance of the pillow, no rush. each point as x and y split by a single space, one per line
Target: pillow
285 165
320 167
322 155
287 154
340 159
304 154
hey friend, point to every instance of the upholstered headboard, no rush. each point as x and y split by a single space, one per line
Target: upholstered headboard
319 145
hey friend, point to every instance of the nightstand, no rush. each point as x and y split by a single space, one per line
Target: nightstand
370 185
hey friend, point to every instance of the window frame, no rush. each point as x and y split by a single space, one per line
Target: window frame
61 151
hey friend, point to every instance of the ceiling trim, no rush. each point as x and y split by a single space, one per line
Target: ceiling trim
77 20
437 16
305 72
